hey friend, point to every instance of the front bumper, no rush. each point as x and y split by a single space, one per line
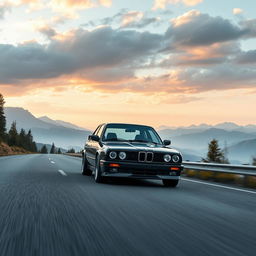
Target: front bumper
140 170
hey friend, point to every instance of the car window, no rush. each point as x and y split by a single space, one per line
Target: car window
121 133
152 136
99 132
127 132
95 132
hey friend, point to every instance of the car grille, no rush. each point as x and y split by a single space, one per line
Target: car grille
145 157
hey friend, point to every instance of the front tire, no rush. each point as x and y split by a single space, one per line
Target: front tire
98 176
85 168
170 183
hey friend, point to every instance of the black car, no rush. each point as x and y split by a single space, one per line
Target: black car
130 151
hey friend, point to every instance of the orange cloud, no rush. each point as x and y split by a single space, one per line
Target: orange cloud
80 4
214 54
185 18
106 3
73 3
66 6
237 11
161 4
131 17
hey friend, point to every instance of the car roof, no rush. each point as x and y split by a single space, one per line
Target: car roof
127 124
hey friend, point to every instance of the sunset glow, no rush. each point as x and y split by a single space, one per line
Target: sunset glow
158 62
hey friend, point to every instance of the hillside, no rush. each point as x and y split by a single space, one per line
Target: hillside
60 123
228 126
243 150
198 141
6 150
47 132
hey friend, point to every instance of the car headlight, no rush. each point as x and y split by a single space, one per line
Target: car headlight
113 155
167 158
175 158
122 155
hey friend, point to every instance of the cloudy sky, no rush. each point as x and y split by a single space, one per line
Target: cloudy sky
158 62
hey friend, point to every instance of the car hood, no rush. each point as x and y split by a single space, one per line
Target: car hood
138 146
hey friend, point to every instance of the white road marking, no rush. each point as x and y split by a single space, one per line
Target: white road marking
62 172
52 162
220 186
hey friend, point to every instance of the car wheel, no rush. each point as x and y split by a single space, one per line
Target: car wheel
97 176
170 183
85 170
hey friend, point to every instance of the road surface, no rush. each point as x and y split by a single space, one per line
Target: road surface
48 208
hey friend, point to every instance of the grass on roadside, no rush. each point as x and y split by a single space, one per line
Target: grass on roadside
249 181
6 150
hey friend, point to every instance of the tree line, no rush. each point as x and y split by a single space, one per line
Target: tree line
21 138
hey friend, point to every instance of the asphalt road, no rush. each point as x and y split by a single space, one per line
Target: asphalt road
48 208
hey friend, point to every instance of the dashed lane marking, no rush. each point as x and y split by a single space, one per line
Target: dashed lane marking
62 172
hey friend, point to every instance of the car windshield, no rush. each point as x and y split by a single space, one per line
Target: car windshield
130 133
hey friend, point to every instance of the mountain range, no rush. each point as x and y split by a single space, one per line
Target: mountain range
46 130
239 141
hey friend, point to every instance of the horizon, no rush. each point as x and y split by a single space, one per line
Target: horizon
162 126
163 62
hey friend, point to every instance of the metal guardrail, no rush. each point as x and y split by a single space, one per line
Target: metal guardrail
223 168
199 166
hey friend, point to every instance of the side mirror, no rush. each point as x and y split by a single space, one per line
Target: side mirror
167 142
94 138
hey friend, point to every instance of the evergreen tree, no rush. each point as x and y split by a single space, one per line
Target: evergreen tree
72 151
44 150
53 149
26 141
34 147
2 119
254 161
22 139
13 137
59 151
215 154
29 141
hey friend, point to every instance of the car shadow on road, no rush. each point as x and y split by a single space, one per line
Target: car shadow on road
78 178
133 182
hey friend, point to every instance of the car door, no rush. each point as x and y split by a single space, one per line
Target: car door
89 149
96 145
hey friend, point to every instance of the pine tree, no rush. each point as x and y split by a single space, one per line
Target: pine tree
2 119
59 151
26 141
53 150
29 141
44 150
72 151
34 147
13 137
22 139
215 154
